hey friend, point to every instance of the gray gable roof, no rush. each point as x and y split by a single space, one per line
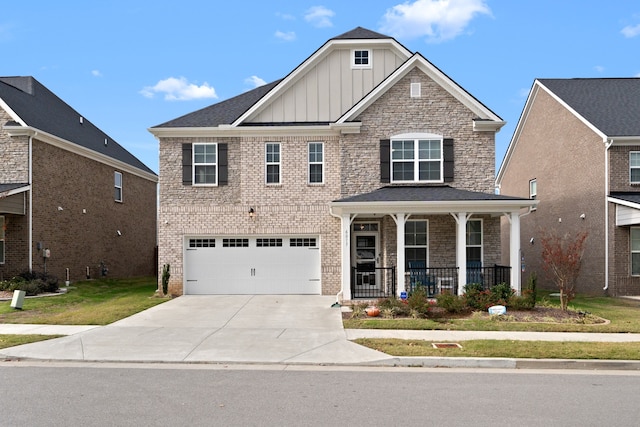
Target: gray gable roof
41 109
612 105
633 197
12 186
360 33
225 112
423 193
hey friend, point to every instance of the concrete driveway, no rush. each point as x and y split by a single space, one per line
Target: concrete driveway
225 329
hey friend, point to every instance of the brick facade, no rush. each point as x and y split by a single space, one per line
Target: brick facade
352 166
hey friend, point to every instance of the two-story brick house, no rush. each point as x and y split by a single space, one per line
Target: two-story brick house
72 200
364 164
576 149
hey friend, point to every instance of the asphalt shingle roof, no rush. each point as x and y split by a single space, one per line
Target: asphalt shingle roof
611 105
41 109
626 196
423 194
360 34
9 187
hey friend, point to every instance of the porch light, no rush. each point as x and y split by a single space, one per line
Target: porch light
252 213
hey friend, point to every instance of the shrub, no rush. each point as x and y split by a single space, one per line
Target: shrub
526 301
396 306
476 297
501 293
418 302
451 303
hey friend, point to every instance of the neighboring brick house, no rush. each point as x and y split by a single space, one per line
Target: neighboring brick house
363 165
69 191
576 148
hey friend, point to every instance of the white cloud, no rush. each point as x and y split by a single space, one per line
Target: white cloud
631 30
96 73
285 16
637 75
599 68
255 81
288 36
6 33
438 20
319 16
179 89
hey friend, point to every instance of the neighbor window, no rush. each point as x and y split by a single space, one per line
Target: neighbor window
316 162
635 251
2 228
533 189
634 167
361 58
474 241
117 177
272 161
205 164
416 160
415 243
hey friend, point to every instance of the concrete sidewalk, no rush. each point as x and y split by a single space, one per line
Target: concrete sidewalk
268 329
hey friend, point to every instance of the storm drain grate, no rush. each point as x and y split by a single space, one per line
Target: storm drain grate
446 345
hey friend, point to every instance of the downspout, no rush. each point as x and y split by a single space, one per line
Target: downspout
31 201
607 145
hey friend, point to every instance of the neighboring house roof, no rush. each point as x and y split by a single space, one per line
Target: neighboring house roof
611 105
31 104
13 188
633 198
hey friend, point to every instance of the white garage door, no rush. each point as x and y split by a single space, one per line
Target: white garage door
252 265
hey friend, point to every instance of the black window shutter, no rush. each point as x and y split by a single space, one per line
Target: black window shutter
223 165
187 175
447 150
385 160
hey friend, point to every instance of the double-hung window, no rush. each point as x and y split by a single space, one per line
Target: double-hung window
416 242
474 241
316 162
272 162
205 163
634 167
2 227
416 160
635 251
117 178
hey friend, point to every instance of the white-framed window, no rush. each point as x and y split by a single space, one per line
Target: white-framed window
533 189
361 58
272 163
117 178
416 90
474 241
205 163
417 159
3 226
635 251
416 243
316 163
634 167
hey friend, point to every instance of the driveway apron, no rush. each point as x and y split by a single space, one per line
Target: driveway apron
290 329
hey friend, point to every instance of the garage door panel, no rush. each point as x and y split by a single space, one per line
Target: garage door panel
257 266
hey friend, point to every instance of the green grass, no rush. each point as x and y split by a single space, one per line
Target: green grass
510 349
623 314
94 302
13 340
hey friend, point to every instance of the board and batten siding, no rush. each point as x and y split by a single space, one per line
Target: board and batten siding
329 89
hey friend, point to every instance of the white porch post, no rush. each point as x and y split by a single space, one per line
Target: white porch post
400 220
514 251
345 237
461 249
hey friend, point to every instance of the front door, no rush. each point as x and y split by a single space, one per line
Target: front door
365 259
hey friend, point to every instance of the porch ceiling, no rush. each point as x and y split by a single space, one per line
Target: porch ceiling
428 199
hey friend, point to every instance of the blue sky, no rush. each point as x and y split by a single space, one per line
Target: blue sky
130 65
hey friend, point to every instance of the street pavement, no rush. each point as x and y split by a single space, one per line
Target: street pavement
267 329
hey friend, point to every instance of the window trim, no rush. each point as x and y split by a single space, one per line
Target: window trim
426 246
631 181
117 187
361 66
194 164
481 245
310 163
267 163
631 251
416 138
533 191
3 227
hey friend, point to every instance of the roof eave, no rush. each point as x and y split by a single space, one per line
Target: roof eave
227 130
441 206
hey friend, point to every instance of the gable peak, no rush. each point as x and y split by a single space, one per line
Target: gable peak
360 33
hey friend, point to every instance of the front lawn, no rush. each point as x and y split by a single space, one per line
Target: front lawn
92 302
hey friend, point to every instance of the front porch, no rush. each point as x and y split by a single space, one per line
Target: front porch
397 238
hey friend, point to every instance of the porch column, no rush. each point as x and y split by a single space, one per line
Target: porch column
400 220
345 246
514 251
461 249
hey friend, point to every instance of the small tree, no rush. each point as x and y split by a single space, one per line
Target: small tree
562 259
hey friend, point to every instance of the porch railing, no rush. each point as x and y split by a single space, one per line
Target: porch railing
373 283
436 280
